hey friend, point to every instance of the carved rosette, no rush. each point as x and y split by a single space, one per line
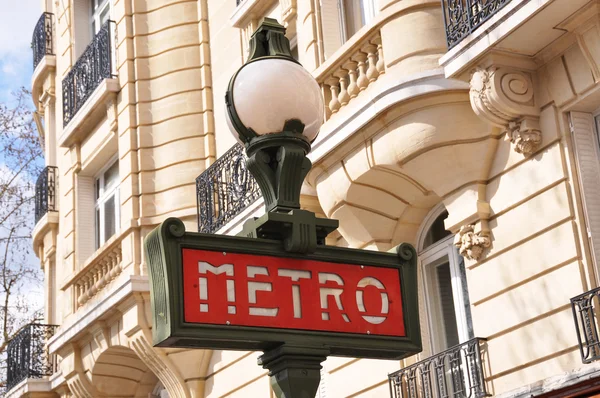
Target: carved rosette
504 98
470 243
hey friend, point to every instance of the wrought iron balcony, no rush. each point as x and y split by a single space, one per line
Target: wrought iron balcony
45 192
585 307
93 66
27 355
461 17
456 372
224 190
41 42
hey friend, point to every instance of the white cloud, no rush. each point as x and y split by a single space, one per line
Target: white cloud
18 20
9 69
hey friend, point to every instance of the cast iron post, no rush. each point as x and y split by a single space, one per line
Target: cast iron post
279 164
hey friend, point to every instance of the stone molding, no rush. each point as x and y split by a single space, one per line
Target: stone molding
504 98
158 363
471 244
288 10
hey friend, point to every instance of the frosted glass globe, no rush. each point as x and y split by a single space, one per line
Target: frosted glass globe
269 92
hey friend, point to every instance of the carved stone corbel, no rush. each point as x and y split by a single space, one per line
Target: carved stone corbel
504 98
470 243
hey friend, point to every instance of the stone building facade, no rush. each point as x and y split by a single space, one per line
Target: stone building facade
468 128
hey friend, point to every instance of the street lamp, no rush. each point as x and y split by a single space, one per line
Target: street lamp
275 109
283 292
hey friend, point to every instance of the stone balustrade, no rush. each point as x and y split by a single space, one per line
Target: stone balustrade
355 69
98 273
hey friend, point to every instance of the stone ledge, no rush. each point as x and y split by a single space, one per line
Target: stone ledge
33 388
103 304
559 382
249 9
42 227
41 72
90 113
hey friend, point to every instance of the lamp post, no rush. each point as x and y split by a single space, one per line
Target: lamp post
275 109
276 287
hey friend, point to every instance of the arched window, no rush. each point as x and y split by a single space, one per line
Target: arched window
444 284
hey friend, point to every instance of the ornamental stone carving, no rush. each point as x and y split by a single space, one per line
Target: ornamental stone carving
504 98
470 243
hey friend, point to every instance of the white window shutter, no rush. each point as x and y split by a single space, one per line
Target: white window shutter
332 32
82 26
322 392
85 213
587 154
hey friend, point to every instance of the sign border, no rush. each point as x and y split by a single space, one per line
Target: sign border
163 249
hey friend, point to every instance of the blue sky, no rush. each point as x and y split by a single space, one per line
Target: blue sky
18 19
16 28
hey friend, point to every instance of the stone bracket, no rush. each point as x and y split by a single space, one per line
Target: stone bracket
504 97
470 243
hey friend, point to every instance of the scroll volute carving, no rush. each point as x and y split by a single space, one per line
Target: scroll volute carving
504 98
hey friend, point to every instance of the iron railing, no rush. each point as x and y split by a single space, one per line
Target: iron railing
456 372
27 355
41 42
461 17
45 192
93 66
585 314
224 190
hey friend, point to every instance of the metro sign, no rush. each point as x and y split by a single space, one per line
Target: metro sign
265 291
214 291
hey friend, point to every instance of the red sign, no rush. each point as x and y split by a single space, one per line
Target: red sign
273 292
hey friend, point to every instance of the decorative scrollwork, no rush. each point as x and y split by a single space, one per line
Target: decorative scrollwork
45 192
224 190
93 66
456 372
41 42
462 17
27 355
585 308
504 97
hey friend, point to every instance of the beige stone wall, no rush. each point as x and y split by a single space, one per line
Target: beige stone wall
407 141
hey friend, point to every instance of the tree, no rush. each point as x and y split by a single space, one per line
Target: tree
20 164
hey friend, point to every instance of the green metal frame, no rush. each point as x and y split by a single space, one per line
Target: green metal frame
164 257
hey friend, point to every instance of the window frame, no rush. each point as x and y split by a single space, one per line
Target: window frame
368 10
97 8
101 196
429 259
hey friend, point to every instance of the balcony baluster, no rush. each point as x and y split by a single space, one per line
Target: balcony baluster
224 190
585 308
93 66
27 355
45 192
461 17
456 372
41 42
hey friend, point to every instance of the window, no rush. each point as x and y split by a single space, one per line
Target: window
107 203
354 15
100 14
341 19
445 283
